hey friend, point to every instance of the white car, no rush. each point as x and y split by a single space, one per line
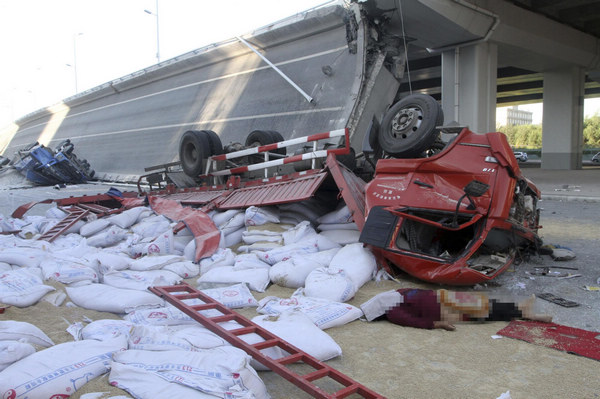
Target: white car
521 156
596 158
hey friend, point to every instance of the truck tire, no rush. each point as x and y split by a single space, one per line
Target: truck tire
263 137
194 147
216 146
409 127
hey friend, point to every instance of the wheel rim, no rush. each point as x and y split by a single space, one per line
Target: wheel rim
406 121
191 154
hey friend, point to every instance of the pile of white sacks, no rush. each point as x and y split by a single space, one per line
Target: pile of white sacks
156 350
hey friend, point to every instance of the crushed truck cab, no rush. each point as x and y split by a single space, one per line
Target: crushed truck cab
459 217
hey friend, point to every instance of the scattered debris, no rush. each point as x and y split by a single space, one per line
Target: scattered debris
557 300
563 338
558 252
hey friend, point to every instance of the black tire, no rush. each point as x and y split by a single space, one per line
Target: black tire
216 146
194 148
409 127
263 137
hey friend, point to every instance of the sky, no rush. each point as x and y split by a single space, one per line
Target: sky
50 47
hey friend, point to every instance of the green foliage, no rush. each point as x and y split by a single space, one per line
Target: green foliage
591 132
523 136
530 136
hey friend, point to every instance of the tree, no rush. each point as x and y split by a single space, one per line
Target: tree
591 132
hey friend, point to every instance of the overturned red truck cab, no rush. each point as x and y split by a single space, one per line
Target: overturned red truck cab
458 217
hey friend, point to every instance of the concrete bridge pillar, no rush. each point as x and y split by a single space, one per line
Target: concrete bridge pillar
562 123
469 86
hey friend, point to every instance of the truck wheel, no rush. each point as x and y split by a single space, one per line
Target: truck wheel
264 137
409 127
216 147
194 147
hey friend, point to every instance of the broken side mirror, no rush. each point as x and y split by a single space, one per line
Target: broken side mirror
474 188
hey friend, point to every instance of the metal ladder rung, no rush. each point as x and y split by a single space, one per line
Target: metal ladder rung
315 375
269 343
223 318
304 382
74 214
296 357
205 306
243 330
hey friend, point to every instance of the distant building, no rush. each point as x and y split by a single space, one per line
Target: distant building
512 116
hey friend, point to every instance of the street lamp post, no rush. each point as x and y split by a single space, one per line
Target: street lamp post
157 33
75 36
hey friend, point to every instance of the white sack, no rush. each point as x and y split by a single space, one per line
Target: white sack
127 218
184 269
163 316
249 261
302 208
222 257
160 245
258 246
220 218
298 329
22 287
233 224
342 237
23 331
4 267
212 371
104 298
105 261
234 237
20 256
293 272
140 280
93 227
107 238
358 262
253 238
189 252
67 271
151 226
154 262
337 226
301 248
298 233
13 351
257 279
330 283
323 312
340 215
106 329
255 216
59 371
234 296
171 338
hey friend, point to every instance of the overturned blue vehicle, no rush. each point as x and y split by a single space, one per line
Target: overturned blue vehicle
44 166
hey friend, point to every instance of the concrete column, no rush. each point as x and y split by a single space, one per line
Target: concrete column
469 86
562 123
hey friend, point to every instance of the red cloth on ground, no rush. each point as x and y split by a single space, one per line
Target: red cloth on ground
419 309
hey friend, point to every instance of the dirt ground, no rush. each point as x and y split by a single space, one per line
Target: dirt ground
398 362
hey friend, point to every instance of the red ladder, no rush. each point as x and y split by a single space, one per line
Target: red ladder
74 214
176 295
